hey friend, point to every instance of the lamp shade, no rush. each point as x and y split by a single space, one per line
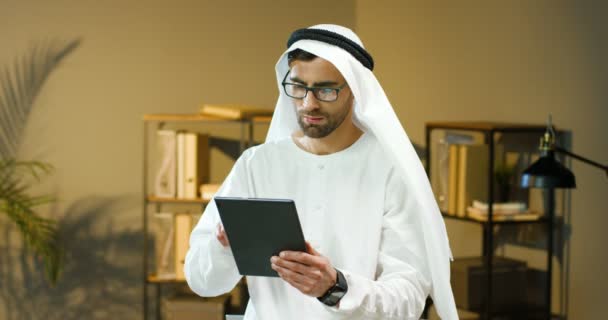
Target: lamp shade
547 172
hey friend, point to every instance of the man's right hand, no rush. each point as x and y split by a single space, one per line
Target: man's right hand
221 236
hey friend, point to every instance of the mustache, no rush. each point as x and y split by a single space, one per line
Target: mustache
313 114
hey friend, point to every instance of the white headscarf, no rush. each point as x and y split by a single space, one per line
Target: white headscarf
374 113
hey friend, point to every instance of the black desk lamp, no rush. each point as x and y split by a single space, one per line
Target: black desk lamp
548 173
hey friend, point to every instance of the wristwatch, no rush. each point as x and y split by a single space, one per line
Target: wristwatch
335 293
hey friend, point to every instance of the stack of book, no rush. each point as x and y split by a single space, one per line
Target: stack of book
467 176
507 211
234 112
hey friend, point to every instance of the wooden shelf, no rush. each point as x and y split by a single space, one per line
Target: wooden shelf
152 278
541 219
485 126
155 199
195 117
185 117
261 120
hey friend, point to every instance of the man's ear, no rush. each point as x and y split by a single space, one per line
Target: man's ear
352 100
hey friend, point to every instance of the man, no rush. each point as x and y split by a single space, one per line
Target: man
377 246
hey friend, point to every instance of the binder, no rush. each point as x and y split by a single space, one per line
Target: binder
183 227
196 166
165 179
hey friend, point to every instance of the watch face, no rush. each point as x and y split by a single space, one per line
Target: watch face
337 294
333 298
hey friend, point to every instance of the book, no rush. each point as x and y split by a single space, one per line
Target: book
452 178
208 190
440 169
162 228
234 112
181 160
502 207
196 163
183 226
472 176
481 215
165 179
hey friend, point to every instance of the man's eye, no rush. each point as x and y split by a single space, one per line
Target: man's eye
326 91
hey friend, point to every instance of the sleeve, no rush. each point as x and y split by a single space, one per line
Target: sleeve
402 277
209 267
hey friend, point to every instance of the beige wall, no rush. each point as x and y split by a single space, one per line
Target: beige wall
514 61
137 57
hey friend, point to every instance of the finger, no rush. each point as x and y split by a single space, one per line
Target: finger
311 250
296 267
305 286
221 235
293 278
293 266
219 230
303 258
222 240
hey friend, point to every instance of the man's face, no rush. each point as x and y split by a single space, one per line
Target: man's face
317 118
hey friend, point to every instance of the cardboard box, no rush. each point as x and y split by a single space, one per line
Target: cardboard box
469 283
191 307
462 314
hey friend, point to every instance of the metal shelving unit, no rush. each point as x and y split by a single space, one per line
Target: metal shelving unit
489 130
156 122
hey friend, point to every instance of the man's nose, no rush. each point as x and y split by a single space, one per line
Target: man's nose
310 102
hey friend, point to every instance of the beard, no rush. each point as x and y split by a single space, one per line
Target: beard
332 121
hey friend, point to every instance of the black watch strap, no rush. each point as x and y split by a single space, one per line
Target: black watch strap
335 293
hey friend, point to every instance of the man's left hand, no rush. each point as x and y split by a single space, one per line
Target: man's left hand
309 272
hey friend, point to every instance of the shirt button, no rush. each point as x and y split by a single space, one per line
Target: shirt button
321 167
318 207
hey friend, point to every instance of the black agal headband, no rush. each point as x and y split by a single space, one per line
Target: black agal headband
334 39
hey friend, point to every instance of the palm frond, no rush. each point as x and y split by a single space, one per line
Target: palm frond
20 86
38 233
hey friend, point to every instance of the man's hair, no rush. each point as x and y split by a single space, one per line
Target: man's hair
299 54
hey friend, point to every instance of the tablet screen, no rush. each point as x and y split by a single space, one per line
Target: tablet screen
259 229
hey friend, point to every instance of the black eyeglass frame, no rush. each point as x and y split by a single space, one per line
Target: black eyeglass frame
313 89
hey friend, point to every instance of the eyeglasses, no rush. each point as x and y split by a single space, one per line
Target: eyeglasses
298 91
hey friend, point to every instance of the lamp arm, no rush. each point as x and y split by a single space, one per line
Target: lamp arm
583 159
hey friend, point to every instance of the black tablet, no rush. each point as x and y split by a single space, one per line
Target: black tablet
259 229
